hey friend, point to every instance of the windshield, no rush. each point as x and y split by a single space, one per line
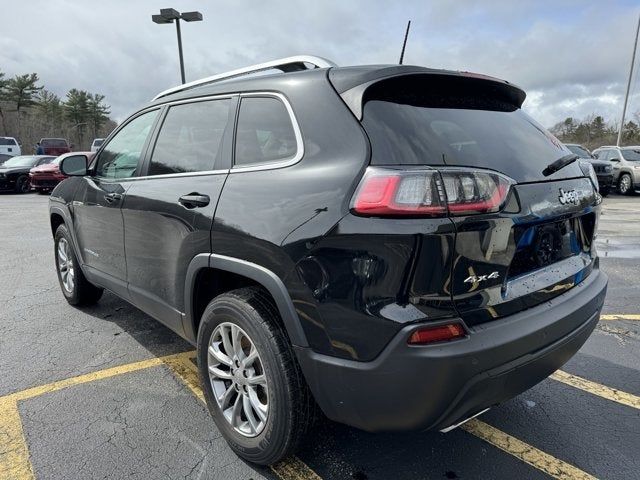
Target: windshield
20 162
631 154
579 150
53 142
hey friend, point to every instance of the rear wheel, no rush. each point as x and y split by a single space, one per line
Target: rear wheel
251 380
22 184
625 185
74 285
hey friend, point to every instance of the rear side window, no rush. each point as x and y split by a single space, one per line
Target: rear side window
438 120
119 158
190 139
264 132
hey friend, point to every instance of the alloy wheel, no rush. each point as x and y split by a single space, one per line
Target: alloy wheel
65 265
625 184
238 379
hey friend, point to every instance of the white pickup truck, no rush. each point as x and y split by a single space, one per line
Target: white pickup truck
10 146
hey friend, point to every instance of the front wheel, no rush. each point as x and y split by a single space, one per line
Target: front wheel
625 185
252 383
22 184
74 285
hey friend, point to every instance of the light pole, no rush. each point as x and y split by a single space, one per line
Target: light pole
168 15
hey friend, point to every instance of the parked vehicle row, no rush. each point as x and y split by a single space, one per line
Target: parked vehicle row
14 173
626 166
604 170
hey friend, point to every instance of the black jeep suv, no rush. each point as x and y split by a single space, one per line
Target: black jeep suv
402 247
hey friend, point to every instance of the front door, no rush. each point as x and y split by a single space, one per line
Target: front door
168 212
98 223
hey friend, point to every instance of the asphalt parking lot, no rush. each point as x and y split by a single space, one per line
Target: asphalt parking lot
107 392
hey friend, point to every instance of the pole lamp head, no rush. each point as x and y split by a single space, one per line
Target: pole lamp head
159 19
191 16
170 13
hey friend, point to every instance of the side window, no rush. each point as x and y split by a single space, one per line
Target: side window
264 132
120 157
190 139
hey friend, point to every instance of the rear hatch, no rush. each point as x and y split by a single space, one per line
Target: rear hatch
538 242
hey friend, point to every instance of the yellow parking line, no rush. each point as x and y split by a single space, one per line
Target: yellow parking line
14 454
597 389
291 468
89 377
549 464
620 317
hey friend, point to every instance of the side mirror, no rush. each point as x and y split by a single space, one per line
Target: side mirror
74 166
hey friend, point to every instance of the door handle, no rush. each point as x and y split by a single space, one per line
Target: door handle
112 197
194 200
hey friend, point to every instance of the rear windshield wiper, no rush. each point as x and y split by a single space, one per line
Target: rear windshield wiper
560 163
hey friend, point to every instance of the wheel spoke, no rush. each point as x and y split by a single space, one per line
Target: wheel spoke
253 354
219 356
257 380
248 412
226 397
226 342
258 407
235 413
218 373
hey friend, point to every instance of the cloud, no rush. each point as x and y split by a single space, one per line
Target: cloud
571 57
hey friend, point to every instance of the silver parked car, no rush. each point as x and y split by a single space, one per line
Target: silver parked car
626 166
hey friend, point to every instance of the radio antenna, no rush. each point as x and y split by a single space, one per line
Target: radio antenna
404 44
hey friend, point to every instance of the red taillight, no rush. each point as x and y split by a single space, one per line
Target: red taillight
440 333
430 192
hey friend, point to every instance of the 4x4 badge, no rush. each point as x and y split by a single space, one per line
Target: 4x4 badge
481 278
571 196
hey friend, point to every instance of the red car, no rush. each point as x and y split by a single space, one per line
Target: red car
45 177
55 146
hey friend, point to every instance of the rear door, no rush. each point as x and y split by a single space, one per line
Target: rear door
539 244
169 211
98 221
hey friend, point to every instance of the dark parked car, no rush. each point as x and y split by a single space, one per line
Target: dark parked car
4 157
14 173
603 169
401 246
44 178
55 146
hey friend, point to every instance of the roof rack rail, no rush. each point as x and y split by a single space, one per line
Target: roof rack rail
288 64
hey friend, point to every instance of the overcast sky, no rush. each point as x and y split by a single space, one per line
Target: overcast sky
570 56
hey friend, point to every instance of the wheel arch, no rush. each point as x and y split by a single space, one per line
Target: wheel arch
243 273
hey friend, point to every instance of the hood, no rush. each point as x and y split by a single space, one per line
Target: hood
7 170
47 168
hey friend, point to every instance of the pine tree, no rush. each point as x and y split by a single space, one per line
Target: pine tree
21 90
98 112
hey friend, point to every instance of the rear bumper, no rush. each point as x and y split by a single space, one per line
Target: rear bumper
433 387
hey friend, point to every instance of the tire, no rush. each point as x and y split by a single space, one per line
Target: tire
22 184
74 285
625 184
290 408
604 191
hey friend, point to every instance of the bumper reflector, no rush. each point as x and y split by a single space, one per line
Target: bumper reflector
440 333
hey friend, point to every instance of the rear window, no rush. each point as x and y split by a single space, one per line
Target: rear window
433 120
7 141
53 142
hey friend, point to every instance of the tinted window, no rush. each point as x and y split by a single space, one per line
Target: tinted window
119 158
190 138
7 141
631 155
264 132
97 143
446 120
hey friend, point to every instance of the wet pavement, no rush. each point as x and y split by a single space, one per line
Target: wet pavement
95 393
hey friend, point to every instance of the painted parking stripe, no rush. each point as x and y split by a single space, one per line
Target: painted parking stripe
597 389
14 454
529 454
620 317
291 468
